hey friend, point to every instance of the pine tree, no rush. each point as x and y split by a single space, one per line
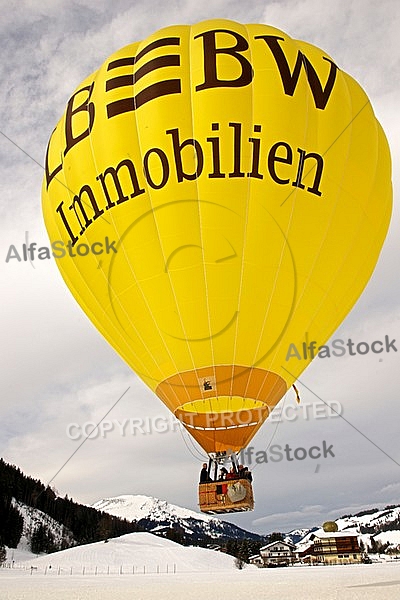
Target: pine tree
11 524
232 547
243 551
276 536
42 540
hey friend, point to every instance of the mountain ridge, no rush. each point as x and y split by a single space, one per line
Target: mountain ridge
155 515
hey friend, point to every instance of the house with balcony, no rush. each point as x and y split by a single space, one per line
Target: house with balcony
337 547
277 554
331 548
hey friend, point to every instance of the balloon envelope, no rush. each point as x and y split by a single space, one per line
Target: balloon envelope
224 192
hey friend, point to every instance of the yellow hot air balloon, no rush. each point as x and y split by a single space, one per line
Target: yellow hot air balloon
223 192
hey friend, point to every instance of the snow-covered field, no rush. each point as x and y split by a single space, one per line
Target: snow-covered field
351 582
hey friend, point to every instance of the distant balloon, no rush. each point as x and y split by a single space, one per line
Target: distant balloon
224 191
329 526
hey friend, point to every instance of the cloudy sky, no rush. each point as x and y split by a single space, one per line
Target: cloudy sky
58 373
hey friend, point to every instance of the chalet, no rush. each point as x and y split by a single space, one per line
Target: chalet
278 553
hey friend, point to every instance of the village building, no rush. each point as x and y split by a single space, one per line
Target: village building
275 554
331 548
339 547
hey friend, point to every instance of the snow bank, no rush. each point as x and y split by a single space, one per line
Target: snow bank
135 552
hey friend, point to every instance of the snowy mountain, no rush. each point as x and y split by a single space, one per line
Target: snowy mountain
373 520
376 526
136 507
133 553
157 515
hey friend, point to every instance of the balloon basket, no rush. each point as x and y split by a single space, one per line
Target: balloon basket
228 496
